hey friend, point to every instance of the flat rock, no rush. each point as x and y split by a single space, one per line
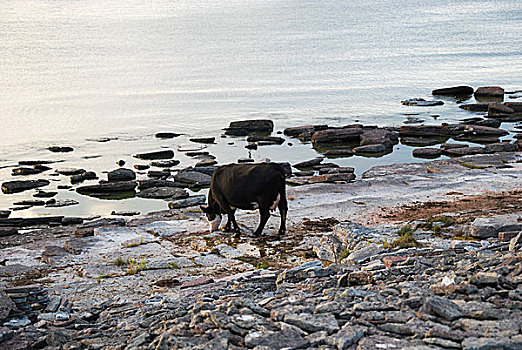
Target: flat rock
244 127
475 107
499 108
515 245
490 227
165 163
6 305
60 149
166 135
193 177
421 102
444 308
188 202
465 151
502 147
69 171
261 139
196 282
489 91
309 163
4 214
427 152
331 177
203 139
22 185
310 129
285 339
22 171
8 231
44 194
163 192
420 141
337 135
364 254
371 149
167 154
345 152
313 323
454 91
145 184
107 187
53 203
121 174
423 130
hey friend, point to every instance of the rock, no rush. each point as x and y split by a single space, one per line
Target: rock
6 305
144 184
490 227
423 130
499 108
193 177
309 163
141 166
59 149
444 308
188 202
339 170
454 91
364 254
252 146
4 214
44 194
419 141
121 174
120 162
203 139
69 171
285 339
296 131
492 123
74 245
337 135
163 192
421 102
30 202
502 147
22 171
475 107
390 261
168 154
53 203
125 213
328 249
299 273
163 174
348 336
474 343
165 163
378 136
371 149
489 91
22 185
27 222
427 152
71 221
107 188
458 129
87 175
464 151
515 245
167 135
244 127
266 139
313 323
331 178
516 106
205 163
196 282
345 152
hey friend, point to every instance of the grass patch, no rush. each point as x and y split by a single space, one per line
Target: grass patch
472 166
262 266
405 230
407 240
344 254
120 262
135 244
135 268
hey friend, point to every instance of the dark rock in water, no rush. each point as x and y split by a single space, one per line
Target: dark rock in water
20 207
459 129
188 202
203 139
489 91
464 151
423 130
27 222
166 135
245 160
341 152
30 202
421 102
156 155
371 149
304 173
121 175
209 170
516 106
165 163
340 170
296 131
36 169
252 145
419 141
197 153
4 214
71 221
499 108
69 171
59 149
378 136
413 120
8 231
107 187
141 166
332 177
53 203
120 162
144 184
44 194
193 177
63 187
87 175
244 127
19 186
492 123
475 107
274 139
476 138
163 192
205 163
325 166
125 213
445 146
309 163
163 174
427 152
35 162
502 147
454 91
337 135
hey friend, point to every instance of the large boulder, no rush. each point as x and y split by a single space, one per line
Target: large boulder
378 136
454 91
489 91
121 174
490 227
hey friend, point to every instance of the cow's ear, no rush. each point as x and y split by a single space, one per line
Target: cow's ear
203 208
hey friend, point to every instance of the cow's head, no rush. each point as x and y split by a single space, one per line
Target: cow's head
213 217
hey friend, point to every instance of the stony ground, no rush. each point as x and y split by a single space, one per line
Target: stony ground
411 256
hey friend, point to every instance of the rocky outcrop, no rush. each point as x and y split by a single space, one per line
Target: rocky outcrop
454 91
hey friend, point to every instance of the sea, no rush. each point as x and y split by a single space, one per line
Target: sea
103 76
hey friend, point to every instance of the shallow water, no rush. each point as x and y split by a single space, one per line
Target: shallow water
73 71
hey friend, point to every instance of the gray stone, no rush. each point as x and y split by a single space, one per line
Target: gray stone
454 91
121 174
22 185
346 337
300 273
244 127
163 192
427 152
444 308
286 339
193 177
371 149
168 154
6 305
69 171
309 163
329 248
499 343
364 254
421 102
337 135
515 245
313 323
490 227
188 202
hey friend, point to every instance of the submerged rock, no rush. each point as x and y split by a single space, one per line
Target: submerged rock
167 154
421 102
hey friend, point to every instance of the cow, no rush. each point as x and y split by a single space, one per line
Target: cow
246 186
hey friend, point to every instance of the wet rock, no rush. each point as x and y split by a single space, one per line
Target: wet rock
125 213
331 178
8 231
44 194
167 135
490 227
516 106
420 141
163 174
337 135
4 214
27 222
502 147
22 171
378 136
165 163
71 221
475 107
458 129
427 152
444 308
121 174
371 149
499 108
104 188
205 163
145 184
421 102
261 140
296 131
423 130
465 151
193 177
69 171
188 202
87 175
30 202
53 203
454 91
22 185
163 192
59 149
345 152
244 127
167 154
309 163
141 166
120 162
489 91
203 139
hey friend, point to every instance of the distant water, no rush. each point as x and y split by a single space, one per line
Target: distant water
73 71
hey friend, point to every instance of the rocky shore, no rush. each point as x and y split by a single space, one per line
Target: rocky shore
422 256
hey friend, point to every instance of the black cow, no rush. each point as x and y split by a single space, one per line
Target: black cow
246 186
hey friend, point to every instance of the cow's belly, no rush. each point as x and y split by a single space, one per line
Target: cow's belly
255 205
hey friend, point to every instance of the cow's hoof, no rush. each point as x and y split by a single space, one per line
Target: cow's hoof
281 232
237 234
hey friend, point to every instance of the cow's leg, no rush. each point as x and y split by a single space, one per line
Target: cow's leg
283 209
227 209
264 211
229 221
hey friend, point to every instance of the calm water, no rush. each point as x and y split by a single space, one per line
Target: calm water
71 71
